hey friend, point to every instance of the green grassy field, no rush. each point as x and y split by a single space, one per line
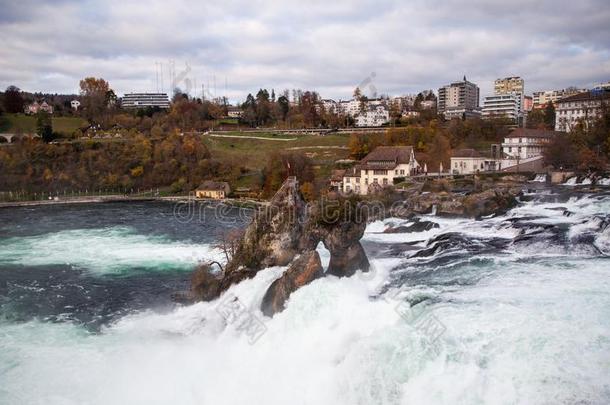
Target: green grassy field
27 124
254 153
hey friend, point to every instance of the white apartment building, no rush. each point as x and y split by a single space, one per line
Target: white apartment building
584 108
144 100
523 143
379 168
504 105
373 116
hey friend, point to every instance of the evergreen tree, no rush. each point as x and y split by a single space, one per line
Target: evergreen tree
44 126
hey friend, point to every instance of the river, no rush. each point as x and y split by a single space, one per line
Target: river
513 309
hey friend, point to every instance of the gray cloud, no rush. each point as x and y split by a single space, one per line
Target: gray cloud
326 46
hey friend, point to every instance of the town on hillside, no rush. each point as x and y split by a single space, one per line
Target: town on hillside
148 145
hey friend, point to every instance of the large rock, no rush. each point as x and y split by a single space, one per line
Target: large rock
282 231
273 237
489 202
416 226
303 270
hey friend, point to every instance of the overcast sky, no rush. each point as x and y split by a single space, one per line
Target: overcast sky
328 46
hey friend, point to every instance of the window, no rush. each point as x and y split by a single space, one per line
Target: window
385 181
366 181
380 172
375 180
402 171
396 172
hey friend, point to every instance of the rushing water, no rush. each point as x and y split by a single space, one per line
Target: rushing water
512 309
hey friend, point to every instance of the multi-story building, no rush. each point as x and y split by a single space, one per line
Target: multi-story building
509 85
528 103
379 168
145 100
525 143
542 98
459 100
373 116
603 86
507 101
503 106
581 108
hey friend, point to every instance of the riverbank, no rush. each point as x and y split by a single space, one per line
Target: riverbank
123 198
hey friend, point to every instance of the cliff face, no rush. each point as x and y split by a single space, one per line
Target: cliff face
286 232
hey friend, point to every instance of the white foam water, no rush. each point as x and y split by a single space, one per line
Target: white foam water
526 330
572 181
540 178
107 250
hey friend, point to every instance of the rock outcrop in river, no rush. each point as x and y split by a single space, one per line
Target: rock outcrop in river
287 232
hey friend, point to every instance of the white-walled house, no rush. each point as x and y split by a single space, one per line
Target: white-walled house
379 168
524 143
583 107
470 161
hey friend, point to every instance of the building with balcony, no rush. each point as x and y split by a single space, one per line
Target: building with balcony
524 143
459 100
581 108
542 98
509 85
379 168
503 106
145 100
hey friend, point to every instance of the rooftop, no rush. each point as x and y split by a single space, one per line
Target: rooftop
396 154
532 133
213 185
586 96
469 153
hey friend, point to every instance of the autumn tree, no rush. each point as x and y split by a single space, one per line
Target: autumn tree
561 152
283 164
536 119
13 100
549 116
95 95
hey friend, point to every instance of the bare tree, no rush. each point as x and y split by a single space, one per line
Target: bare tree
228 242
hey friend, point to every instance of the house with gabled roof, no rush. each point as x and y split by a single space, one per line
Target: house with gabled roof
379 168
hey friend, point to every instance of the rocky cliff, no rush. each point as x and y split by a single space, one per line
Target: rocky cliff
286 233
